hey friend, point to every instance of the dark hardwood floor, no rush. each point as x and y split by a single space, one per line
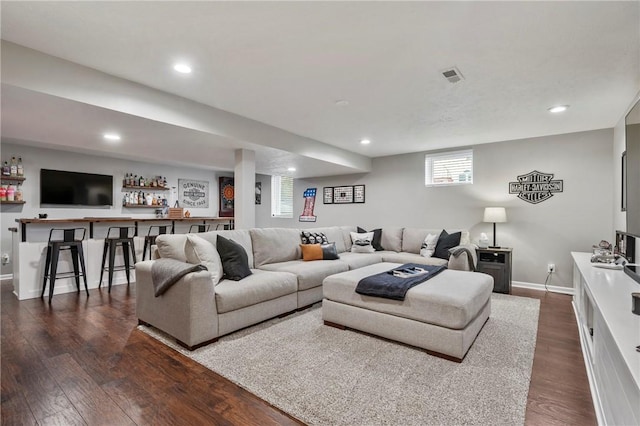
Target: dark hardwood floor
82 361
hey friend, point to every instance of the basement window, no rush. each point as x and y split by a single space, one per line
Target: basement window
448 168
282 197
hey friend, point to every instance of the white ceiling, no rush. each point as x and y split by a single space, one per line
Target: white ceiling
287 63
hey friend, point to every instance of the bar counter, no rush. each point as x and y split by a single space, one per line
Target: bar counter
29 244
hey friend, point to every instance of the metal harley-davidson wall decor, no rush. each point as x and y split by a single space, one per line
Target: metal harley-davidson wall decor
535 187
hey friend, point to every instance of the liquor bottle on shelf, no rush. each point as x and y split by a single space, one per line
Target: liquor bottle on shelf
20 167
11 193
140 197
6 169
164 182
3 193
135 181
14 167
148 199
18 194
125 199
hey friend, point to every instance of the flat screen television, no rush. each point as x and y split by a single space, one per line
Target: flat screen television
632 166
59 187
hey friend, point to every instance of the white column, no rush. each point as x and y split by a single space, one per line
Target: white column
245 189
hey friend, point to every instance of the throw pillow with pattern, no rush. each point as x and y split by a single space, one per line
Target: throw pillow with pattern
307 237
429 245
362 243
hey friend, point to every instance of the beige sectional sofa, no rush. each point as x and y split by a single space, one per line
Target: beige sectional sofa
196 311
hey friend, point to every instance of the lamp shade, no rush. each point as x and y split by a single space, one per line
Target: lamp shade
495 214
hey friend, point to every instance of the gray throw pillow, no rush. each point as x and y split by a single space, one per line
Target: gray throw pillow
235 262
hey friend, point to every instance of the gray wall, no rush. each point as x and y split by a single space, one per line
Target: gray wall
539 234
36 158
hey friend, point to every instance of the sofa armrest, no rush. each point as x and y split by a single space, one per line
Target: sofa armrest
187 311
459 259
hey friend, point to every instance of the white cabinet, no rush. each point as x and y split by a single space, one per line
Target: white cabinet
609 334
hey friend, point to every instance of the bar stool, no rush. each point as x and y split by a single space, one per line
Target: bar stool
123 236
199 228
150 239
54 246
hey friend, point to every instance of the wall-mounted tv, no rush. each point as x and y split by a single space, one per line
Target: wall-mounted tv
59 187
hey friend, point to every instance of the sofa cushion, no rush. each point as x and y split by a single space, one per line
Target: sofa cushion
307 237
310 274
391 238
402 257
172 246
446 241
429 245
362 243
274 245
358 260
235 262
258 287
377 236
199 250
240 236
319 252
346 236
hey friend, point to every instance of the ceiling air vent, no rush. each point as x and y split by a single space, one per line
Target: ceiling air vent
453 75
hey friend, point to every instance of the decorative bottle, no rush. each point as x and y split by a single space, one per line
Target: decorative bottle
6 170
11 193
3 193
18 194
20 167
13 171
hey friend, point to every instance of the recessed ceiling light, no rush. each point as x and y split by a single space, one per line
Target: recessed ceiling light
182 68
342 102
291 169
558 108
365 141
111 136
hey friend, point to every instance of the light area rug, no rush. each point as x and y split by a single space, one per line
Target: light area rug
325 376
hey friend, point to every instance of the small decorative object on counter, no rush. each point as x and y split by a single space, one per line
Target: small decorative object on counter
483 242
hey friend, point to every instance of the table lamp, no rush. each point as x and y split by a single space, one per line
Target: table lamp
495 215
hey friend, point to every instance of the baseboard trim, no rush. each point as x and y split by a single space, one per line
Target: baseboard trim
540 287
6 277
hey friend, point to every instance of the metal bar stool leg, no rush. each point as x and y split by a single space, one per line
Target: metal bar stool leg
84 270
125 254
47 265
76 266
54 269
112 257
104 258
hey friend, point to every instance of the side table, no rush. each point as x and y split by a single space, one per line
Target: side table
497 263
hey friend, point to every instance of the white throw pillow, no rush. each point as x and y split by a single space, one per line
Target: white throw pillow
362 243
199 250
429 245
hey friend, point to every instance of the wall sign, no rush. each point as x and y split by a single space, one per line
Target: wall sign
193 193
309 204
535 187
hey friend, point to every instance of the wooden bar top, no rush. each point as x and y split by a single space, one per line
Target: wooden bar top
121 219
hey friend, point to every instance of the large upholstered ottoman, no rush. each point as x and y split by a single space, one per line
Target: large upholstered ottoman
442 315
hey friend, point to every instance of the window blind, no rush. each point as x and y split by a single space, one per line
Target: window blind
282 196
449 168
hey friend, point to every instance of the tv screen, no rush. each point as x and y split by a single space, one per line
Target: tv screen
75 189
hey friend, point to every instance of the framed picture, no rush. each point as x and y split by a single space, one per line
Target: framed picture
227 197
258 192
343 194
358 193
327 195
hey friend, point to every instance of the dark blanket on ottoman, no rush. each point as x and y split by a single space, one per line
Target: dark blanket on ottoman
395 283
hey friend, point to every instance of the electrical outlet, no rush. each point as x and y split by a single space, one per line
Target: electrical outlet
5 258
551 267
